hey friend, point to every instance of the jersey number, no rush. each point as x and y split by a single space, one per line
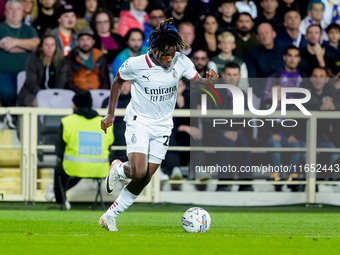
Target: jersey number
167 140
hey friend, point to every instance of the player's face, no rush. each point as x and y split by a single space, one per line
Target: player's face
135 42
167 57
232 76
85 43
91 5
67 20
292 59
49 46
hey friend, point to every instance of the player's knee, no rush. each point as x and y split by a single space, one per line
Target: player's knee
138 173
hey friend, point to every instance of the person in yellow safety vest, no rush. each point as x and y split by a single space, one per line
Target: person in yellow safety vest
82 149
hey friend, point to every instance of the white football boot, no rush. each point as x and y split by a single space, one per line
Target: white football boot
113 177
108 222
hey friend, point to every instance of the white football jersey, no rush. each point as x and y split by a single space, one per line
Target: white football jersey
154 88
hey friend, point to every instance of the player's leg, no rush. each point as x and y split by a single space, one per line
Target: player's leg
141 176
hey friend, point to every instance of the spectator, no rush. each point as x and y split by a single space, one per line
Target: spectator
181 12
200 59
17 41
332 10
66 39
247 6
323 98
111 44
226 43
78 130
227 16
278 136
291 35
208 37
2 9
270 14
91 6
333 49
266 58
134 18
86 66
134 40
245 38
287 76
289 5
47 16
313 55
234 136
187 31
316 17
45 69
156 15
28 7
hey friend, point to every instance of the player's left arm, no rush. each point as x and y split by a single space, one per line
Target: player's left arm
211 78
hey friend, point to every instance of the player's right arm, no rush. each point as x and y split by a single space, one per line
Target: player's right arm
114 94
124 74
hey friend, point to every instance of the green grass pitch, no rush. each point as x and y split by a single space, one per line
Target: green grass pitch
156 229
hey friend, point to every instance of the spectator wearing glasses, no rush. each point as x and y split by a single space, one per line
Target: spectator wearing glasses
111 44
156 15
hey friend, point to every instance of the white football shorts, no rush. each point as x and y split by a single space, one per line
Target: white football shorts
148 139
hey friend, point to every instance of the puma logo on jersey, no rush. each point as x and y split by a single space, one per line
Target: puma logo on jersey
146 77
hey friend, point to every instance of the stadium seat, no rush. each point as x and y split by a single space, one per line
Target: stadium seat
98 96
48 126
21 78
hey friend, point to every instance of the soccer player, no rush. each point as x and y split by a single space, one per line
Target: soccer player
154 77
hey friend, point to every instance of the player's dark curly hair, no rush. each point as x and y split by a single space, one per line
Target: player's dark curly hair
164 37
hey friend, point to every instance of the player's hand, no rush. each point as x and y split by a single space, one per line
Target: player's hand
212 75
107 122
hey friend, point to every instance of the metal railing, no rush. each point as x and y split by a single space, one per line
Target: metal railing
29 147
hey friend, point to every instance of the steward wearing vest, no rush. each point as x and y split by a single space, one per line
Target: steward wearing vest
82 149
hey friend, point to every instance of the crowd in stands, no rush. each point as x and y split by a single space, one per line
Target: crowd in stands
78 45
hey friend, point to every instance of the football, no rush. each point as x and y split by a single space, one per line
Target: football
196 220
